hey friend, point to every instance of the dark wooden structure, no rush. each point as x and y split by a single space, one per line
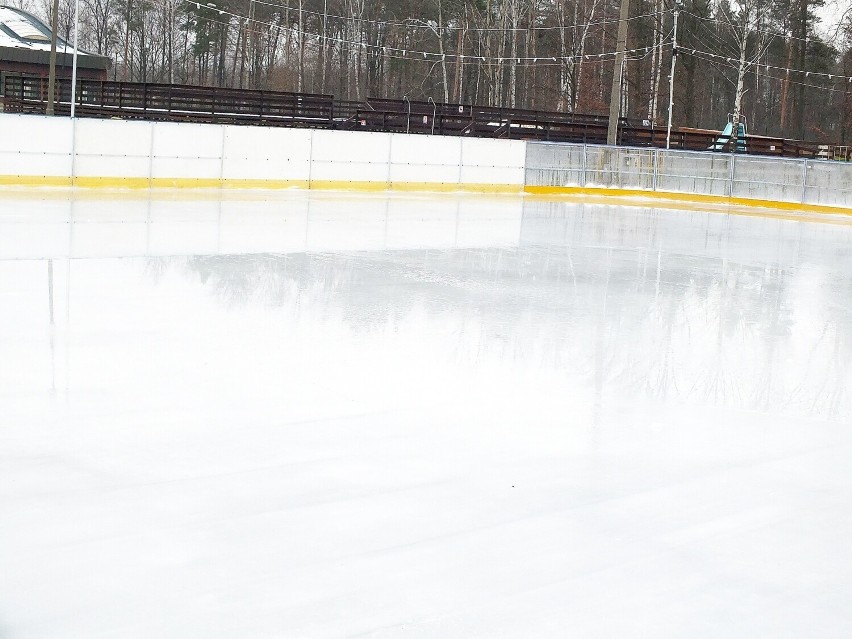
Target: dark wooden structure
181 103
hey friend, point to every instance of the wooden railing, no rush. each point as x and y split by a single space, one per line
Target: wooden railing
184 103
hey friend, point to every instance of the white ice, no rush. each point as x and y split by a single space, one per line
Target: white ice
334 416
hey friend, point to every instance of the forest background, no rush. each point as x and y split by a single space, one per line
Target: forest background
774 62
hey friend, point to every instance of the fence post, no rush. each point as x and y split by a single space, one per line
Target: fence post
390 158
151 157
804 178
655 157
732 172
583 180
222 159
312 133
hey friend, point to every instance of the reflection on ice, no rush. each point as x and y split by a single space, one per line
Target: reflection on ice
736 312
297 223
323 416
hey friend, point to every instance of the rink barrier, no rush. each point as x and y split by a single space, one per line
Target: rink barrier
40 151
117 154
818 186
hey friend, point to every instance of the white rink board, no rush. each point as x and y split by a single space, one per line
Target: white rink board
349 171
115 149
35 134
425 150
417 158
266 153
47 150
118 166
36 163
113 138
493 153
34 146
186 168
188 141
350 156
350 146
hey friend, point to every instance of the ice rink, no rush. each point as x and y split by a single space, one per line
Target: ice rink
328 415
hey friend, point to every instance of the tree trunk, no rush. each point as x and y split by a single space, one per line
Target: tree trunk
441 50
738 97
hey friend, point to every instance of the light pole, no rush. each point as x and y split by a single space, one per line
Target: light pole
51 76
671 83
74 63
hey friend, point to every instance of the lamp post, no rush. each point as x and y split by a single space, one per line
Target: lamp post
74 63
51 76
671 83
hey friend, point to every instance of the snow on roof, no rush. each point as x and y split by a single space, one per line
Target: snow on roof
22 30
25 38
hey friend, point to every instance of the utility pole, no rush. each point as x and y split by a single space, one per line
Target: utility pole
51 78
617 73
671 83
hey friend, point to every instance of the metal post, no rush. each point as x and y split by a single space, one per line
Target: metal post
671 83
73 152
656 155
51 77
74 63
732 175
434 112
408 118
617 73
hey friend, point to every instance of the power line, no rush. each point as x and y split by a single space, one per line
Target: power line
413 25
729 59
398 52
766 31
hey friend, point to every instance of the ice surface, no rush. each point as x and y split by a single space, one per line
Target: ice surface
331 416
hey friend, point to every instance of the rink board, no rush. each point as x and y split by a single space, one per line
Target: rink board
40 151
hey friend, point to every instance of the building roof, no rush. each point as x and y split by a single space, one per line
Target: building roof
25 38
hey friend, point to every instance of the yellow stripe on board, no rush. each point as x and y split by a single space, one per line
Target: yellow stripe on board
695 198
112 182
602 194
34 180
216 183
429 187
